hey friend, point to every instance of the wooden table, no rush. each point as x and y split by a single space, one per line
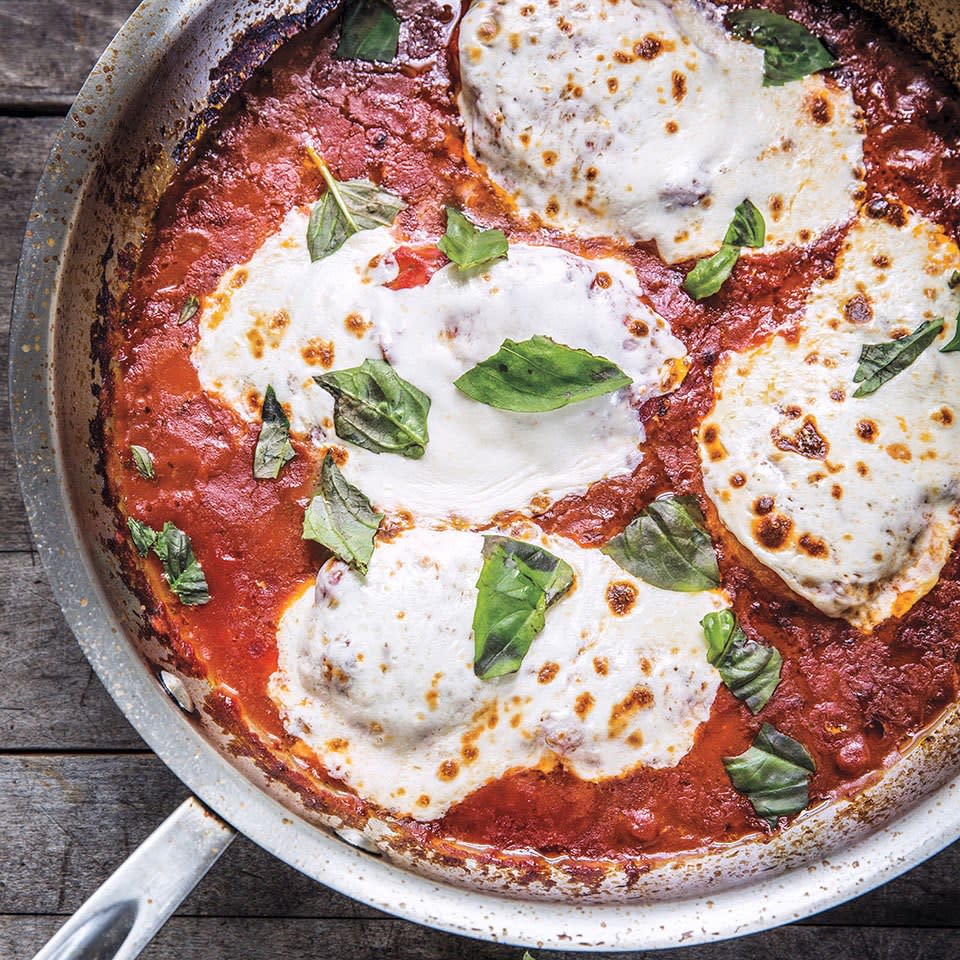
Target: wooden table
79 789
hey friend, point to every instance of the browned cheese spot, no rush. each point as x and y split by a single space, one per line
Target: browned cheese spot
257 343
763 505
601 666
613 84
838 395
547 672
881 261
448 770
583 705
638 327
621 597
773 530
679 84
239 279
806 441
857 309
821 112
524 138
603 280
549 158
622 713
899 451
862 469
635 739
711 440
737 480
879 208
356 325
868 430
813 546
650 47
671 126
591 174
337 745
836 491
943 416
553 207
318 352
423 800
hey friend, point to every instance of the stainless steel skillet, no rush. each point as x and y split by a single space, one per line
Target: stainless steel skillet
170 64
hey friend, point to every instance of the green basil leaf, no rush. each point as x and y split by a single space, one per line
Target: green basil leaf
774 773
190 306
750 670
143 536
345 209
537 375
370 30
954 345
790 50
378 410
143 461
954 280
667 546
467 245
273 449
517 583
748 228
340 517
710 274
181 569
881 362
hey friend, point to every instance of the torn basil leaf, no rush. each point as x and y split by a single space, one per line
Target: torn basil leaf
954 280
790 50
667 546
466 245
519 581
748 228
143 461
181 568
750 670
340 517
345 209
538 374
377 409
710 274
954 345
881 362
774 773
369 30
143 536
273 449
190 306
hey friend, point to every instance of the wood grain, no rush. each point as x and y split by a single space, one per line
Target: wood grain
78 791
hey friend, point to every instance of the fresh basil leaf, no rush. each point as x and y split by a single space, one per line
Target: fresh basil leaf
954 345
273 449
370 30
954 280
143 461
181 569
774 773
750 670
143 536
790 50
190 306
377 409
710 274
881 362
748 228
345 209
517 583
340 517
667 546
467 245
538 374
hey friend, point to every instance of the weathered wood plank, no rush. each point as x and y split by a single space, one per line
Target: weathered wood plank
50 699
69 820
194 938
49 47
26 144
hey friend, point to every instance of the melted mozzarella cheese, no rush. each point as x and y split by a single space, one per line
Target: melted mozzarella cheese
853 501
644 119
281 319
375 674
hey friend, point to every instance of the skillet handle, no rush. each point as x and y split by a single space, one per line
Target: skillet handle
120 918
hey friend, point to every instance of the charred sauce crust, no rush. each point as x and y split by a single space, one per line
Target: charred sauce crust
853 700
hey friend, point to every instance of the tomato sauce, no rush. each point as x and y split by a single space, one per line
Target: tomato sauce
854 701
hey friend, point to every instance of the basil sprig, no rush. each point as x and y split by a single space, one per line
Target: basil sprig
142 461
347 207
881 362
519 581
274 449
954 345
750 670
181 569
377 409
790 50
538 374
369 30
466 245
774 773
190 306
747 229
667 546
340 517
